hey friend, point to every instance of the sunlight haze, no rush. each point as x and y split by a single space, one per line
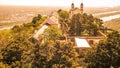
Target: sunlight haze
93 3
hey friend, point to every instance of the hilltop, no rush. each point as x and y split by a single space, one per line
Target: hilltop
55 46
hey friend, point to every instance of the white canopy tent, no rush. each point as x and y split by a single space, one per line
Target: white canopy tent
81 43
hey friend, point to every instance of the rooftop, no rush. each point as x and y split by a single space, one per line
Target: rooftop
48 21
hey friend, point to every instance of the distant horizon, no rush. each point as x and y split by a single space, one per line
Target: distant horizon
61 3
59 6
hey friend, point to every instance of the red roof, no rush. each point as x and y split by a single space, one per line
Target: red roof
49 22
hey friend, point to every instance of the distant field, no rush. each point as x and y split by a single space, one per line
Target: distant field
16 15
95 10
113 24
8 24
22 14
105 15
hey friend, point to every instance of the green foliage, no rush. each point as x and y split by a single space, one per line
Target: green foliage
41 20
11 53
54 55
52 33
63 14
51 52
83 22
20 52
79 23
106 54
35 19
63 20
75 25
65 55
5 37
39 57
14 44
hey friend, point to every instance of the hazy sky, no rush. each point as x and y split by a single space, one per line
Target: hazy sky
107 3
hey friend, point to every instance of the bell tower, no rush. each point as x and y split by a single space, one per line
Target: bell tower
72 9
81 7
72 6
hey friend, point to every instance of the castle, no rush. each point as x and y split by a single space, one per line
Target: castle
75 10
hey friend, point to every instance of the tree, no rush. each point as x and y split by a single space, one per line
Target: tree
39 57
44 51
52 53
65 55
13 50
12 53
75 25
83 22
63 20
107 53
52 33
35 19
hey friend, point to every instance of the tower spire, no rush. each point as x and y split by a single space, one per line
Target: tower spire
72 5
81 6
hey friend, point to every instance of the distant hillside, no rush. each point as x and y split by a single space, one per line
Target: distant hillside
113 24
24 14
15 15
94 10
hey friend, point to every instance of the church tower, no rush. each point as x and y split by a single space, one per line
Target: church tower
72 9
72 6
81 7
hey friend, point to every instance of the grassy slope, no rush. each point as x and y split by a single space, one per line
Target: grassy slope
105 15
113 24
